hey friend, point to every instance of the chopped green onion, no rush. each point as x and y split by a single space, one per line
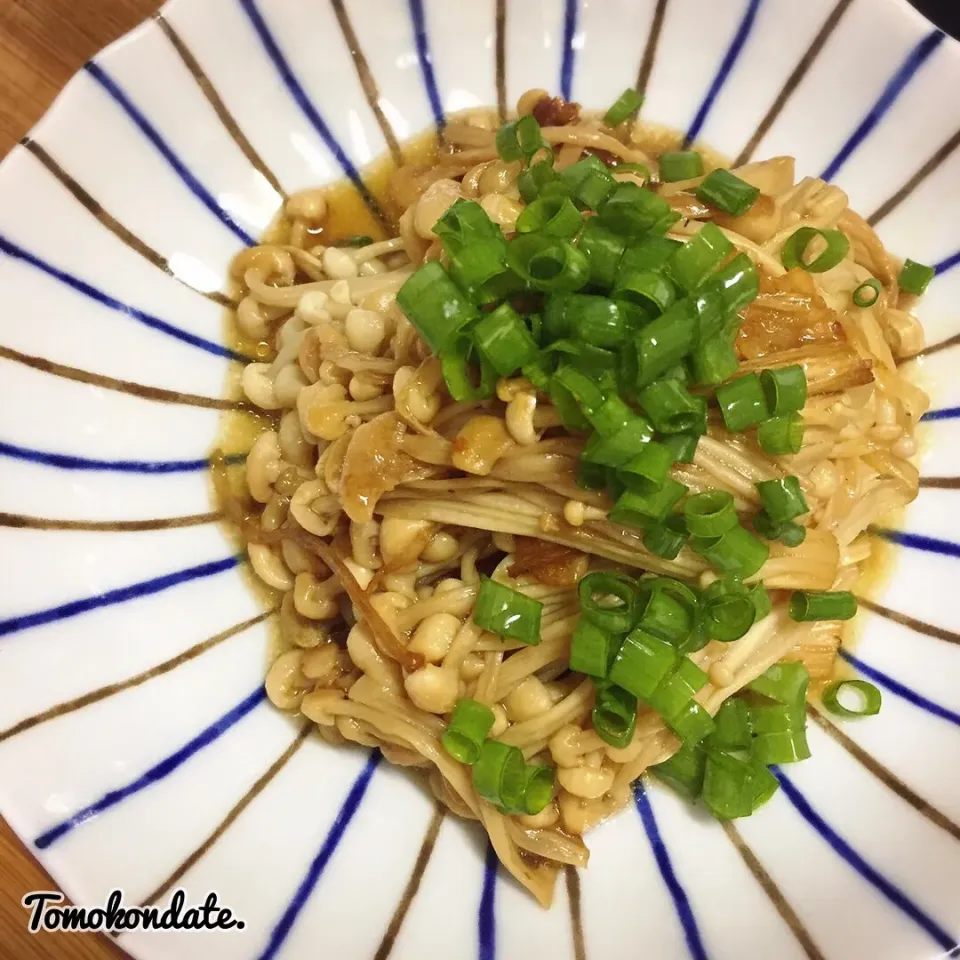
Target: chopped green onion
696 259
582 388
619 448
592 649
738 283
632 211
520 139
588 181
481 271
737 552
915 277
663 343
553 216
795 249
781 435
435 305
681 165
785 389
649 253
548 264
591 476
869 696
761 600
792 534
532 181
507 612
617 613
734 731
742 403
642 662
684 770
640 169
727 610
677 689
714 361
571 415
354 240
780 734
666 539
640 510
867 294
596 320
500 775
645 288
457 363
727 192
692 723
464 224
711 309
664 611
782 499
648 470
807 605
784 682
603 250
611 417
614 715
538 788
672 408
503 338
627 104
683 446
710 514
469 725
733 787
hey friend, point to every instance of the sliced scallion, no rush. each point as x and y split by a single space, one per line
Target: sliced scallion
794 253
727 192
808 605
915 277
868 696
469 725
507 612
627 104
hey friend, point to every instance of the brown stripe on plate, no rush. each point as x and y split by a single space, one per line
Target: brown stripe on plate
918 626
23 522
220 108
95 696
941 483
779 901
932 349
929 167
262 783
367 81
576 912
793 81
413 885
112 224
500 57
121 386
650 50
884 775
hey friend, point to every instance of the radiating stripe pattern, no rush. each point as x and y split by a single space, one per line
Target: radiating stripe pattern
44 268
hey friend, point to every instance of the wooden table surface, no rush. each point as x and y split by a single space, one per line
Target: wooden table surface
42 44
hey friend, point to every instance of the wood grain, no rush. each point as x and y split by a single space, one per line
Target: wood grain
42 44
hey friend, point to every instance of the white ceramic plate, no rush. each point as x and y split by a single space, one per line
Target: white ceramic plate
136 747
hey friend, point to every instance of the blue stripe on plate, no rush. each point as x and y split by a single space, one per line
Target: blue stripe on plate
682 905
916 541
65 461
487 916
726 66
350 806
81 286
897 688
843 850
156 773
152 134
298 93
947 263
568 60
917 57
945 413
144 588
422 40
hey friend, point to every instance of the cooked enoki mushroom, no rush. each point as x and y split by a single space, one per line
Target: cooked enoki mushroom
431 537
